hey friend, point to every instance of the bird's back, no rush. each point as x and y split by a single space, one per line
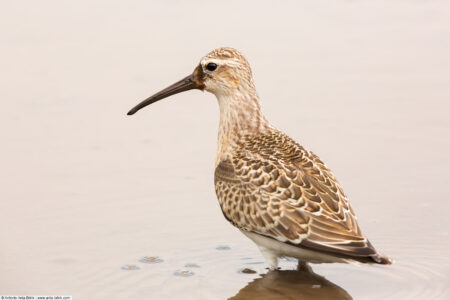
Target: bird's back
271 185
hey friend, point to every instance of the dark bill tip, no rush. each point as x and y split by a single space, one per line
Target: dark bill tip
132 112
185 84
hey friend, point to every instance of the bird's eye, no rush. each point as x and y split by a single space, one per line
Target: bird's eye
211 66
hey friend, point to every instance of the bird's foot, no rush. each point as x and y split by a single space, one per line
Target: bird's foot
303 266
270 257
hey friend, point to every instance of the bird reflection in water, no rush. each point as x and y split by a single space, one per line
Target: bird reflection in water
291 284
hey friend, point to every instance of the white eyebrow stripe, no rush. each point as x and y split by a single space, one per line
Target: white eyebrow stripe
232 62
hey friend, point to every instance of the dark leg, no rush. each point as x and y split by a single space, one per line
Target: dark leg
304 267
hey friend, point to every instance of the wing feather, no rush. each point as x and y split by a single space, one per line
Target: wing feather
274 187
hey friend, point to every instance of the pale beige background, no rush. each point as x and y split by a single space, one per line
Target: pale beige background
86 189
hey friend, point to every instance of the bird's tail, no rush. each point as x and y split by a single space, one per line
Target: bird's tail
381 259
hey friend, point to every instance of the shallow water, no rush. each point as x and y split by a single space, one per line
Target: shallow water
88 192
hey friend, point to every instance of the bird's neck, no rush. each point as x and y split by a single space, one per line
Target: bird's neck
240 115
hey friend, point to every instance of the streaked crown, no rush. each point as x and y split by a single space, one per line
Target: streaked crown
225 70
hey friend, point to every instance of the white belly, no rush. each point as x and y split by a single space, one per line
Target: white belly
280 249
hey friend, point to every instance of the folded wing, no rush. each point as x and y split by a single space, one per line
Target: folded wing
287 193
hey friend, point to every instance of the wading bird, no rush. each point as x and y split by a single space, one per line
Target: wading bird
280 195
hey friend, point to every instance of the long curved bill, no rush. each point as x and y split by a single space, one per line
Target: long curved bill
185 84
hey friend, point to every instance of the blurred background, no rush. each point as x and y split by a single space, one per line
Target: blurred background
86 190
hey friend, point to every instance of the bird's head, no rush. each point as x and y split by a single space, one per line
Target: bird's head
223 71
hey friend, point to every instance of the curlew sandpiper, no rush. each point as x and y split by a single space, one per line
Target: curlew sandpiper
279 194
